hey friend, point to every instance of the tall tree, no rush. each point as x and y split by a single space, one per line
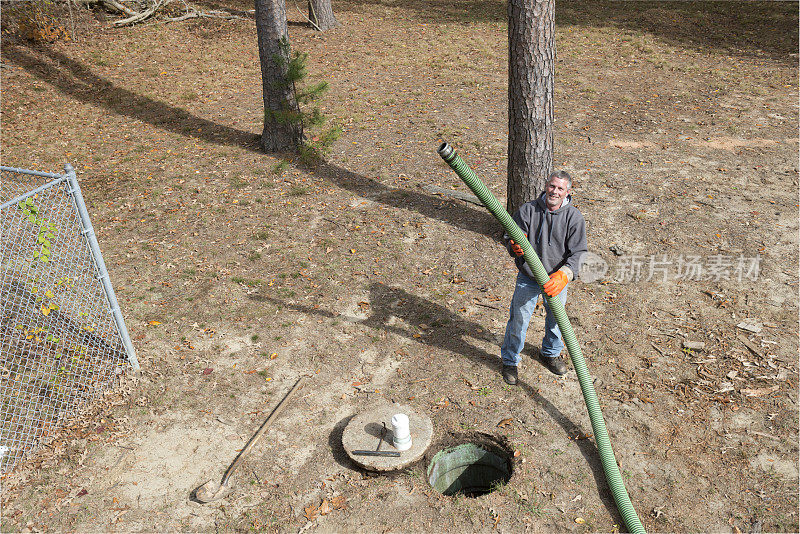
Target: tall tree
283 129
320 13
531 59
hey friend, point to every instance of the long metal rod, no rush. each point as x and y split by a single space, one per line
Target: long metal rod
32 192
390 454
260 432
102 272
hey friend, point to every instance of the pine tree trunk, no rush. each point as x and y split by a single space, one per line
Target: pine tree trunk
281 133
531 59
321 13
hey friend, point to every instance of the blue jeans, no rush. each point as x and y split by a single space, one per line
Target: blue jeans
522 305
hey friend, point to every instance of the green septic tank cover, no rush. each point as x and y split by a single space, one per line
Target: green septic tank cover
467 469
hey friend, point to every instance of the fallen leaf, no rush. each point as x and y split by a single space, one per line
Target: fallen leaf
154 323
339 502
82 492
517 453
505 422
759 392
45 311
207 371
311 513
324 508
273 355
580 520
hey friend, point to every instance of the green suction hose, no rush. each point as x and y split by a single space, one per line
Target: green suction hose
601 438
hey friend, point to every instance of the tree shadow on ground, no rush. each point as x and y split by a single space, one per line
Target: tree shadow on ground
446 210
751 29
449 331
79 82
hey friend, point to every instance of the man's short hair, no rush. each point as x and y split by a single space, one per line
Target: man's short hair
563 175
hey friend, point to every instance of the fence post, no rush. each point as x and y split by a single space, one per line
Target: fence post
102 272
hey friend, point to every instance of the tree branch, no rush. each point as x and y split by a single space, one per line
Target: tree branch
113 4
139 16
191 11
306 17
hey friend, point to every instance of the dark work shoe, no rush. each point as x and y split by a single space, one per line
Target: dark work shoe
555 365
510 374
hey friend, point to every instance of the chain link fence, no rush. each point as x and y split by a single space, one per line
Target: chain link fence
62 337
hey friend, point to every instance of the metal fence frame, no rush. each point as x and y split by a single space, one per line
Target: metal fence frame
9 454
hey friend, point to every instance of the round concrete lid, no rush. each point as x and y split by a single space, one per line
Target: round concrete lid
363 432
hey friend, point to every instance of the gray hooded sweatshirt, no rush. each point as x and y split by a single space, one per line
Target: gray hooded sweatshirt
558 237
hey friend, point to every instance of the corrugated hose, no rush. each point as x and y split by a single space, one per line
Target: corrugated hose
601 437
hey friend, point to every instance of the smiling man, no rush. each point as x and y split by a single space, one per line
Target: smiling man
557 232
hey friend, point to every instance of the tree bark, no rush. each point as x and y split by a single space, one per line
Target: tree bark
531 59
281 133
320 13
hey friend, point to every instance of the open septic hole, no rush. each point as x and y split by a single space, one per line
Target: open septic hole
469 470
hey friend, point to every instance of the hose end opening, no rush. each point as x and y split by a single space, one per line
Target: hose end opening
446 151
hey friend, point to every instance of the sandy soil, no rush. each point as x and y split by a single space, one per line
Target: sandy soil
678 122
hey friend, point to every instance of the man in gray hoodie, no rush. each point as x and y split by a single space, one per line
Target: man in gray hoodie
558 233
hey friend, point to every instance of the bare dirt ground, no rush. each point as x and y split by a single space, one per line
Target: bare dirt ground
678 122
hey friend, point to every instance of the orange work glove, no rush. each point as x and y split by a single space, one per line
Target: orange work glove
558 280
515 248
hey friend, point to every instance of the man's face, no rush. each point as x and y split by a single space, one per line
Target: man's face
555 192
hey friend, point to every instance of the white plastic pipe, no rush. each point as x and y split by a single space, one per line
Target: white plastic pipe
402 434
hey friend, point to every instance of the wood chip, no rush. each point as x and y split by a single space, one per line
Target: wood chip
751 325
694 345
746 342
764 435
759 392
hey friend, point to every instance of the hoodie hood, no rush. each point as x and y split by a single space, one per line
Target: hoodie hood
541 201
